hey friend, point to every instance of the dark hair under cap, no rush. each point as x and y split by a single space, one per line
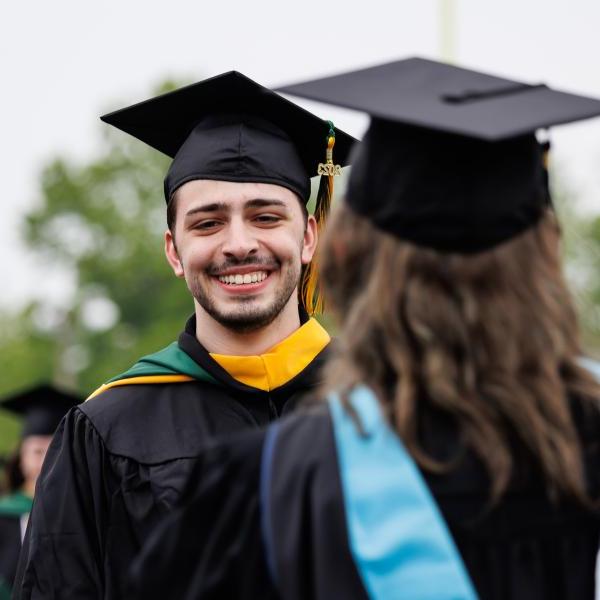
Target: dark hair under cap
447 192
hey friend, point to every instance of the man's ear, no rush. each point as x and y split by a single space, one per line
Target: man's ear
172 254
311 238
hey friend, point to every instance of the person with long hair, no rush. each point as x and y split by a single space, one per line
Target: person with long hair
458 452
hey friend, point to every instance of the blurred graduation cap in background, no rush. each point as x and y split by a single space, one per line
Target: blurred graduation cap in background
450 160
41 407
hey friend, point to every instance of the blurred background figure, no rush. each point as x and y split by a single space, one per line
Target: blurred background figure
457 455
41 408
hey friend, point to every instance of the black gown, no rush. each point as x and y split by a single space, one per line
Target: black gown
117 466
14 512
238 537
10 545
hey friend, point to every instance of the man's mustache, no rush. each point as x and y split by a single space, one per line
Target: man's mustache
265 263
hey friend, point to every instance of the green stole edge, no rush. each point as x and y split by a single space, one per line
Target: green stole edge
15 505
171 360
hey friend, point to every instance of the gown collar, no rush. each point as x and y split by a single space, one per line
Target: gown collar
281 363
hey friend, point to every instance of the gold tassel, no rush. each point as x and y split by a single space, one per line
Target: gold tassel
309 285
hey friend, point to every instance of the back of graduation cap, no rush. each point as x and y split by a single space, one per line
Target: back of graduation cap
42 407
450 160
230 128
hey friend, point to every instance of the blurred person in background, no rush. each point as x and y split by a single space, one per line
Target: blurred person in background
458 453
41 408
241 237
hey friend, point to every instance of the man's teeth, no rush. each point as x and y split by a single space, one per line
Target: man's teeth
239 279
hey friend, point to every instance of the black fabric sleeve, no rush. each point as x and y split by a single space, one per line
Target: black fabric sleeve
309 544
62 555
211 547
10 546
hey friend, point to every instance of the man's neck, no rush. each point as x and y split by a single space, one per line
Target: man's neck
218 339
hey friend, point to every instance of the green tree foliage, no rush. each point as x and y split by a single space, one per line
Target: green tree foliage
102 223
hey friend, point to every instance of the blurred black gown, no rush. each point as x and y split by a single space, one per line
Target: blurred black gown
282 527
14 511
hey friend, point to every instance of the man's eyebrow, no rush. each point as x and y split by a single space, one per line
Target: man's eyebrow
213 207
261 202
224 207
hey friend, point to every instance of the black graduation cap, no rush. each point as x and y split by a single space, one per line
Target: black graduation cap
42 407
231 128
450 160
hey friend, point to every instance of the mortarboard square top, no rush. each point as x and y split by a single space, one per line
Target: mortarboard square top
42 407
450 160
446 98
231 128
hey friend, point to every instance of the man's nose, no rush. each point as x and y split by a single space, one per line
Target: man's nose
241 241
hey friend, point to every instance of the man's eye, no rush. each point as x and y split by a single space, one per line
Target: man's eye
208 224
267 218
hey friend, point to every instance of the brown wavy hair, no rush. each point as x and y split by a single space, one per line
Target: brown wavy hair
491 339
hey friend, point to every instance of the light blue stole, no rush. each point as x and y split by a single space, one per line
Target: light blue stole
398 538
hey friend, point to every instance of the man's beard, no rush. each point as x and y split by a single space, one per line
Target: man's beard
245 318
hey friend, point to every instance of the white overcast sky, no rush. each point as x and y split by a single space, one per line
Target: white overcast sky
65 62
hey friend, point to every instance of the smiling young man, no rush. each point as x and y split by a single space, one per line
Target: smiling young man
241 248
240 235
